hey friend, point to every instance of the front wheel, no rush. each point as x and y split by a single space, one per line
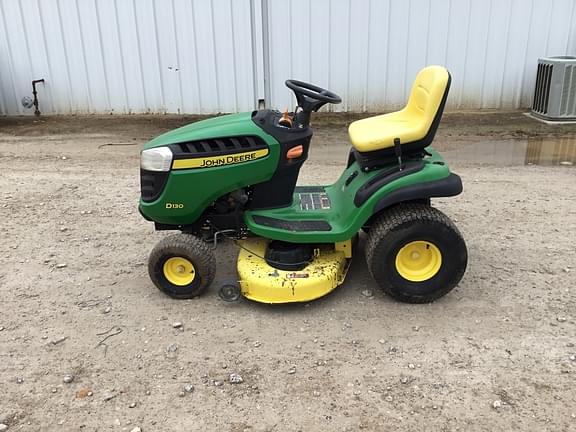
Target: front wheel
182 266
415 253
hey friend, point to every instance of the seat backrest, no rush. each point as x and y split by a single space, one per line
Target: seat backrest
428 92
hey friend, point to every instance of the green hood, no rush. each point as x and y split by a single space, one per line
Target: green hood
217 127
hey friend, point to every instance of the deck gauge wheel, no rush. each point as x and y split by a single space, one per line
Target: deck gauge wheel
230 291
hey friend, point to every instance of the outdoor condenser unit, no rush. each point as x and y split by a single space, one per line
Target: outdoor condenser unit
555 92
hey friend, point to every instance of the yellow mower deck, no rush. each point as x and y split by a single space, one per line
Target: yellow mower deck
263 283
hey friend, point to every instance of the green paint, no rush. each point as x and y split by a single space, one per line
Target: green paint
196 189
217 127
189 192
346 219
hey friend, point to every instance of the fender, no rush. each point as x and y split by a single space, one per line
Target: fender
446 187
383 178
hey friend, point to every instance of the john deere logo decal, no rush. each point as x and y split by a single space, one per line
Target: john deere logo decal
213 161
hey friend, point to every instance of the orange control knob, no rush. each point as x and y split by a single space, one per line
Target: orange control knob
285 120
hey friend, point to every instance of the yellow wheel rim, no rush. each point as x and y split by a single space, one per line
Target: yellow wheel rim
418 261
179 271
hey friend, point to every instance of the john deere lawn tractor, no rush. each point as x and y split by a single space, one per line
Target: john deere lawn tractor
234 177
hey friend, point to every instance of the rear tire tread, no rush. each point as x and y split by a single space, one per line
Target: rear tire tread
394 219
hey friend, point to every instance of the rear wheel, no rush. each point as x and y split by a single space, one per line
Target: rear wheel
425 201
182 266
415 253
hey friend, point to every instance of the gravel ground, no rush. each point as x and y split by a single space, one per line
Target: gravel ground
87 343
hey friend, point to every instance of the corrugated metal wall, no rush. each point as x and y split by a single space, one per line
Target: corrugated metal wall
126 56
204 56
369 51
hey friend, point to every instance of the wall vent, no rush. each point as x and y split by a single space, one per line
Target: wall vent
555 91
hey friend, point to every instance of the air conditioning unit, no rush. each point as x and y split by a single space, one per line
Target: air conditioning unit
555 92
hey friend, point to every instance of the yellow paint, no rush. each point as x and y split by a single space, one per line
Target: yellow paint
213 161
345 247
409 124
179 271
263 283
418 261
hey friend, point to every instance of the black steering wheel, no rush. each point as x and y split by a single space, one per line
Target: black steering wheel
310 98
313 92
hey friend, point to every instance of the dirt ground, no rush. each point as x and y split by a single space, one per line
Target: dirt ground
496 354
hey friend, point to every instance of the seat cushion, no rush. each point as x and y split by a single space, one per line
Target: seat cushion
410 124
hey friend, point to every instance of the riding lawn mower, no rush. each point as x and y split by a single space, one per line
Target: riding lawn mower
235 177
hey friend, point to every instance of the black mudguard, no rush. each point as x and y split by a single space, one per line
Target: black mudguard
446 187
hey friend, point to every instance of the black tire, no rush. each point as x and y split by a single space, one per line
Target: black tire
366 228
406 223
190 248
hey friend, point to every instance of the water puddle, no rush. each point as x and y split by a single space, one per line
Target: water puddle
533 151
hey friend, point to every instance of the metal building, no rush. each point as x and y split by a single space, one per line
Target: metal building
208 56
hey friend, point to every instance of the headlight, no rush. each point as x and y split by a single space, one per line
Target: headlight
156 159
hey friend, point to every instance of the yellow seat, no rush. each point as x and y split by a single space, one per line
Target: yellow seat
413 123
